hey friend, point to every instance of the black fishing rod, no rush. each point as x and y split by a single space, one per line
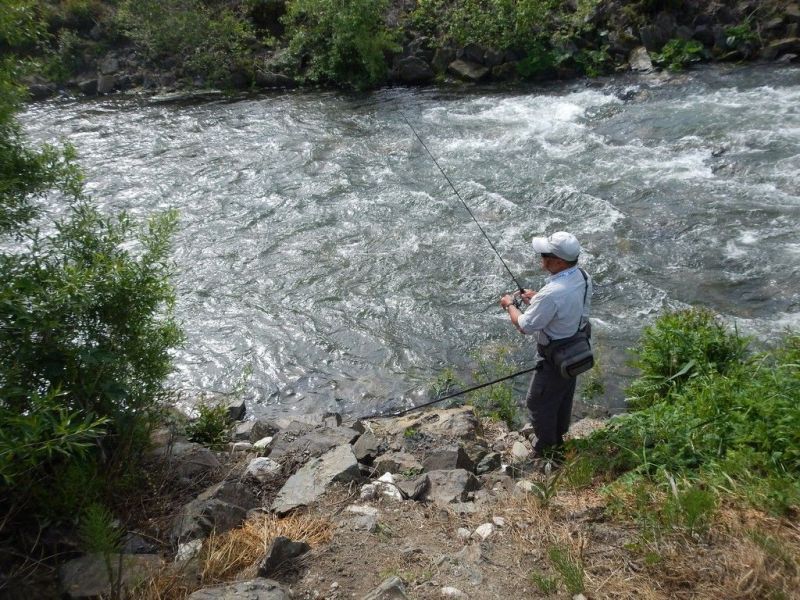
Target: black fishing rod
448 396
433 158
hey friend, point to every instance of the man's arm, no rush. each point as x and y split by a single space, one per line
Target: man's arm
536 318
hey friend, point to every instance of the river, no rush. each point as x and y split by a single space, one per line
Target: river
324 261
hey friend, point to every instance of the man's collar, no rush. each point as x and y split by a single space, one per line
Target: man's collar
564 273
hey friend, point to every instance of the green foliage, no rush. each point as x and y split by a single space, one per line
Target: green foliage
677 54
594 62
212 43
98 533
343 42
678 347
545 584
568 567
496 401
546 489
86 320
212 427
743 33
734 424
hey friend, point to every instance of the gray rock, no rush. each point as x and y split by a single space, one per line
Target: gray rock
792 12
262 428
136 544
447 487
414 489
263 469
473 53
88 87
445 459
220 508
490 462
442 58
505 71
492 58
457 424
240 447
786 45
109 65
88 576
639 60
366 447
199 518
281 551
311 481
413 71
520 452
312 444
390 589
468 70
40 91
255 589
659 32
397 462
189 460
243 430
106 84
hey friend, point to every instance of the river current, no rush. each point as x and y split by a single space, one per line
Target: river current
323 258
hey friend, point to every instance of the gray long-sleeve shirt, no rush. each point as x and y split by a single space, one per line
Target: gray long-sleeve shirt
557 309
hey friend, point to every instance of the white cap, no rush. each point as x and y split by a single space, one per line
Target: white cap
562 244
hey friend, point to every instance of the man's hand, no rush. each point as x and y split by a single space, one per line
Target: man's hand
526 295
506 301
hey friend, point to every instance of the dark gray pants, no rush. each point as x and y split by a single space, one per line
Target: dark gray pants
549 402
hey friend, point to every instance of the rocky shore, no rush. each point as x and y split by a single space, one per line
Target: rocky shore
617 39
410 507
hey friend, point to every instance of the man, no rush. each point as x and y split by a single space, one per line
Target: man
557 311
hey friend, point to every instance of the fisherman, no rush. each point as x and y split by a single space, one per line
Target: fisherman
558 311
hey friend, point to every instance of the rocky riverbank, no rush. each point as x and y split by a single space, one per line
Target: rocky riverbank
432 43
439 504
365 509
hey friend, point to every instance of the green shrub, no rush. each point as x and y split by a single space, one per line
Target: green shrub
734 425
497 401
677 54
212 426
677 347
205 42
568 567
86 322
343 42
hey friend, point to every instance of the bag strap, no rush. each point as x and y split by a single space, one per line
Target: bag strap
585 291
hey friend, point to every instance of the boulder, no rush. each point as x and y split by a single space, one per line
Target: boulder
442 58
272 79
366 447
263 469
468 70
655 35
40 91
106 84
414 71
390 589
490 462
109 65
88 87
447 487
783 46
255 589
445 459
520 452
397 462
220 508
639 60
88 576
505 71
312 444
281 551
472 53
189 460
311 481
414 489
492 57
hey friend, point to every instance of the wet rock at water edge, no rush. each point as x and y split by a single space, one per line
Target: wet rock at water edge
414 71
468 70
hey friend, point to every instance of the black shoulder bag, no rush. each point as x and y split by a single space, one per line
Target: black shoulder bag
573 355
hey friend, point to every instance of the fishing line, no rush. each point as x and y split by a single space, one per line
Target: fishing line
433 158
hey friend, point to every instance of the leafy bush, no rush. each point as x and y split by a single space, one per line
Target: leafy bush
212 427
734 424
85 321
677 347
677 54
212 44
343 42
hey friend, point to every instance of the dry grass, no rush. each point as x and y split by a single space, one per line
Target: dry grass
745 554
233 555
